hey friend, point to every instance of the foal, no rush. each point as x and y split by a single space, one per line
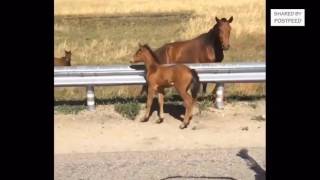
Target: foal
162 76
63 61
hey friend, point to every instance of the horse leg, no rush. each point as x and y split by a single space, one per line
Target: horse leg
161 102
204 88
188 102
151 93
143 90
214 90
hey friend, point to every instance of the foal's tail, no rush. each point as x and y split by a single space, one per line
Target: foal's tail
195 84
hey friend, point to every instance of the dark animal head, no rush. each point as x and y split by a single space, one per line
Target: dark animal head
223 30
67 57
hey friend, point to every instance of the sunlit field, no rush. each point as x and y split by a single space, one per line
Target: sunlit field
107 32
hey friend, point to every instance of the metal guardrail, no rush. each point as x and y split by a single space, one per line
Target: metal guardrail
112 75
138 69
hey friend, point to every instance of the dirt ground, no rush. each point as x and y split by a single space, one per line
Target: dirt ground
104 130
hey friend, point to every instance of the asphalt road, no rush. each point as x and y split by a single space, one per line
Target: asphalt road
158 165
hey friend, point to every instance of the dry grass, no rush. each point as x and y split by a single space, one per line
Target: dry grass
101 40
81 7
244 22
249 14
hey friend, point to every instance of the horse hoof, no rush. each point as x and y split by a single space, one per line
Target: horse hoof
143 119
160 120
182 126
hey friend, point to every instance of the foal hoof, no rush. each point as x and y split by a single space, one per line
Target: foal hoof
160 120
143 119
182 126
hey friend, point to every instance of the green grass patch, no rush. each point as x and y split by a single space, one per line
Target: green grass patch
204 105
128 110
69 109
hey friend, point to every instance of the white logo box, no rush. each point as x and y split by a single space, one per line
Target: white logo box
287 17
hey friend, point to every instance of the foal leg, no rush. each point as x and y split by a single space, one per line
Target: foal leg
151 93
188 102
161 102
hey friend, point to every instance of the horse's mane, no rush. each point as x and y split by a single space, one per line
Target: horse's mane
151 52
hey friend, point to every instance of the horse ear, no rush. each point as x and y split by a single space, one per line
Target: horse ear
140 45
230 19
217 19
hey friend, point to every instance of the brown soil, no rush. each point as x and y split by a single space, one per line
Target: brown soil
104 130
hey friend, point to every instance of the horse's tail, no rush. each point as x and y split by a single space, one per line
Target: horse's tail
195 84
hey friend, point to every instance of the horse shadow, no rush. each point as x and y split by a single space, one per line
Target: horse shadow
260 173
253 165
138 66
198 177
173 109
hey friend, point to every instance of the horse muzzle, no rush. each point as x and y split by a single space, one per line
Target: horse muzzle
226 47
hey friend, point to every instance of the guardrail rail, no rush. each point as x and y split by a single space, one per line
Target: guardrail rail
113 75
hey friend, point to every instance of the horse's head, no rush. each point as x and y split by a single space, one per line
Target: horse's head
67 54
67 57
223 30
141 54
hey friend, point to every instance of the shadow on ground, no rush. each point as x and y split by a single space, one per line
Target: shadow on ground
198 177
253 165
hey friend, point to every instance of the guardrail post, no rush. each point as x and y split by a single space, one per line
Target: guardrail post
90 98
219 95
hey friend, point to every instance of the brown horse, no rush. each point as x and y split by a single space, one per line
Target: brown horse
206 48
63 61
162 76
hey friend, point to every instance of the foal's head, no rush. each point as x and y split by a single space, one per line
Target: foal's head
223 29
143 53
